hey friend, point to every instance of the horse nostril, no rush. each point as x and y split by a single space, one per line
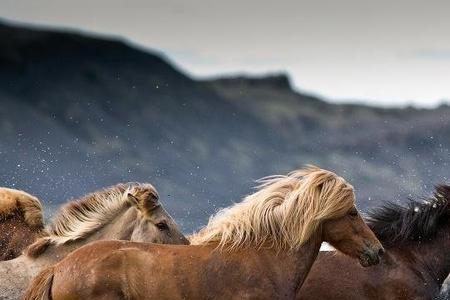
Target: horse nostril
380 252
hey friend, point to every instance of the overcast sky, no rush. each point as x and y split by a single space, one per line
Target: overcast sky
381 52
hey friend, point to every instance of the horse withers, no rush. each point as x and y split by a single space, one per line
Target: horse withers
21 222
129 211
260 248
416 262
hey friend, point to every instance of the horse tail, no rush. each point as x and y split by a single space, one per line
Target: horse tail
40 287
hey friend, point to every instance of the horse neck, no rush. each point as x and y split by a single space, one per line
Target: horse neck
15 236
290 268
304 260
118 228
433 254
7 228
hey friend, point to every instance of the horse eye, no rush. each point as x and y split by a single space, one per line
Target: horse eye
162 226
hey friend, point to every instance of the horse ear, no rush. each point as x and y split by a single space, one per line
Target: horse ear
145 202
151 202
133 200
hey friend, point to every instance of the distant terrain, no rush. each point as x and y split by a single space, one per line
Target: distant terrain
80 112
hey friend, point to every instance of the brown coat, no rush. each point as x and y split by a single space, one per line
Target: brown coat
416 263
16 235
21 222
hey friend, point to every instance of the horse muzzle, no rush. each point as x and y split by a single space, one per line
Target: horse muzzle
371 256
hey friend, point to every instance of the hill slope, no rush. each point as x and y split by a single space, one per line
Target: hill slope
80 112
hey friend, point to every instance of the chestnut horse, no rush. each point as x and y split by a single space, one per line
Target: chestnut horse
20 222
125 211
246 251
417 241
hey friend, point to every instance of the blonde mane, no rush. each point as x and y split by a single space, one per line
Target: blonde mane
284 212
79 218
28 206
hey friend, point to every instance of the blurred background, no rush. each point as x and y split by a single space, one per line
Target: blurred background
202 97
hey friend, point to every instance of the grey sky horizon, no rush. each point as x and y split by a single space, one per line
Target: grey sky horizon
377 52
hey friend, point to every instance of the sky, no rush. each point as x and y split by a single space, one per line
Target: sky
380 52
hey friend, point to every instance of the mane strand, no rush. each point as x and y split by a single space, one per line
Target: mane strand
395 224
284 212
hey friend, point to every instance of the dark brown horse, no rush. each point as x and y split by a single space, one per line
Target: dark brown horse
261 248
417 260
20 222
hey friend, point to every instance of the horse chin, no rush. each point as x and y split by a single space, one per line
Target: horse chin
363 261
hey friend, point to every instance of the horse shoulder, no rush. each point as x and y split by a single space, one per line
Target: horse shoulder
91 270
405 281
341 276
128 272
161 271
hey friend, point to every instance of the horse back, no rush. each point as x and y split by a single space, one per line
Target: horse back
127 270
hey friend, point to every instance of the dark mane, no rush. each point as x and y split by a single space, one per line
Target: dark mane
395 224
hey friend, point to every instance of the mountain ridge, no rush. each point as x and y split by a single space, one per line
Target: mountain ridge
78 113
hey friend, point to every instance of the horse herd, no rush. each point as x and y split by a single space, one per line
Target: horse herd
120 243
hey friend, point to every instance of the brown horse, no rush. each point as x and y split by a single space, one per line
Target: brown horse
246 251
417 241
125 211
20 222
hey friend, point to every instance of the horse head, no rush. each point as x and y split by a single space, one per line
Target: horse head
153 223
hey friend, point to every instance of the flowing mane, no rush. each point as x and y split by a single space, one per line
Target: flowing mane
28 206
79 218
284 212
394 224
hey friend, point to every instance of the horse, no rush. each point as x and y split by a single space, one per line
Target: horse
125 211
20 222
246 251
416 262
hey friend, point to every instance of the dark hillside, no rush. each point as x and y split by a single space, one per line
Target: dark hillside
79 112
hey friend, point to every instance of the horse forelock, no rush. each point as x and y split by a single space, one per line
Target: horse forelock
28 206
284 212
81 217
396 224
